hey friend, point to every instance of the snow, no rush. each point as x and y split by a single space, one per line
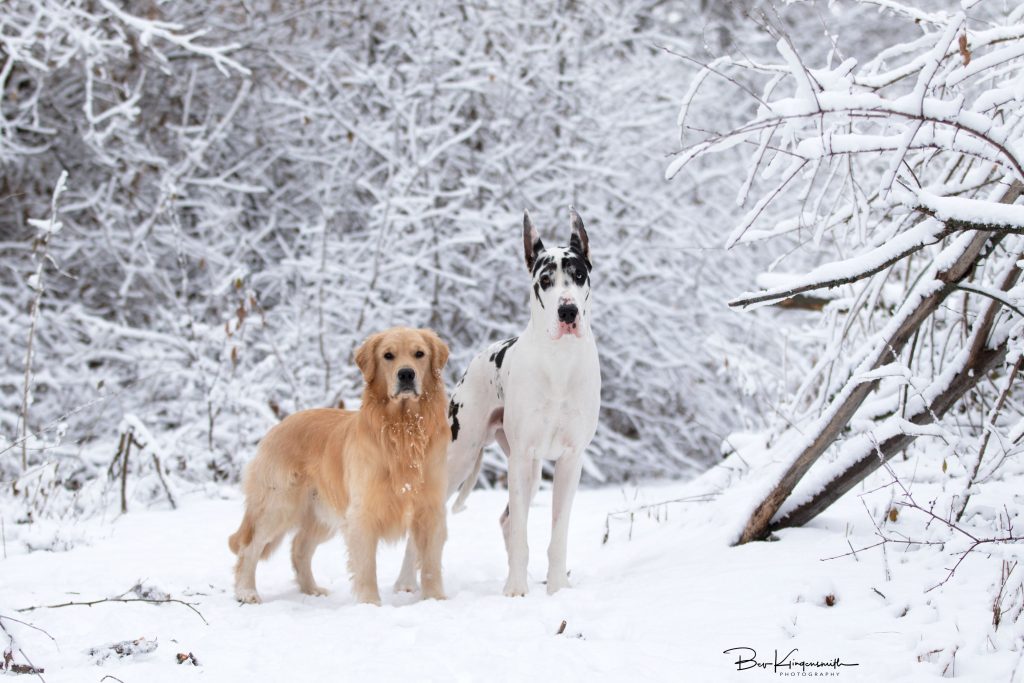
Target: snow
661 600
972 210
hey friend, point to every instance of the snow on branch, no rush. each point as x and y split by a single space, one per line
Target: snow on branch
963 213
147 29
950 215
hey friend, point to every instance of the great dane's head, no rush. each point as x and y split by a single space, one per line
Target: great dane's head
560 293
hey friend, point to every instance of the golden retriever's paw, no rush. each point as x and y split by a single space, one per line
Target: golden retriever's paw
556 584
368 598
247 596
404 586
316 590
434 593
516 589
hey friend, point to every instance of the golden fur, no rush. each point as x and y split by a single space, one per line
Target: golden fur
376 473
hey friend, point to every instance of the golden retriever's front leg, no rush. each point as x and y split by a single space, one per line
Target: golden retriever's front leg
429 533
362 559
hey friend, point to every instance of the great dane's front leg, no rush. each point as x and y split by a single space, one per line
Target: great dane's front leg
520 473
566 479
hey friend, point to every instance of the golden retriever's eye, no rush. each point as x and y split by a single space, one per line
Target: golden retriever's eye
389 356
420 354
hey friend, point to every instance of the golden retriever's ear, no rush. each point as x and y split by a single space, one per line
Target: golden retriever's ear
366 357
438 351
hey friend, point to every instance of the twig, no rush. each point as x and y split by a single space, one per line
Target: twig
32 668
90 603
124 469
995 296
31 626
160 474
1016 666
631 512
989 427
699 498
42 241
853 552
909 502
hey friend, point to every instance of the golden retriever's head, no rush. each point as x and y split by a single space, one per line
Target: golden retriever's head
402 363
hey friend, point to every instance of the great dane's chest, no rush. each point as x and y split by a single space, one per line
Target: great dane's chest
551 404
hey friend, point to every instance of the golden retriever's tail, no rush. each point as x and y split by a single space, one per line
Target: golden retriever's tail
244 535
469 484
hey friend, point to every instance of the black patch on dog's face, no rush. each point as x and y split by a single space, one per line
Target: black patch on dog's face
542 263
498 357
544 267
453 415
576 267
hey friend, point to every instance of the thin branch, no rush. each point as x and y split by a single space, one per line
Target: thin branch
989 428
995 296
90 603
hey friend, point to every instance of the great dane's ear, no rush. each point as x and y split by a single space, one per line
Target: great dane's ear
366 357
438 351
579 240
531 241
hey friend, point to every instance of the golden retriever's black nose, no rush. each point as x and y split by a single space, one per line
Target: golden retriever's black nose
406 375
567 313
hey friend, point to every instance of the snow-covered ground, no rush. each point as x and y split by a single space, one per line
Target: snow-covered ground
661 600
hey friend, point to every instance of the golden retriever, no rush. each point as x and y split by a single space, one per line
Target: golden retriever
376 473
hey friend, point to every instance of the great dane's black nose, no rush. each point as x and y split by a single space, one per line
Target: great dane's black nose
567 313
406 375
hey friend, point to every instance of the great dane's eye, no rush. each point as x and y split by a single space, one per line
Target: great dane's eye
389 356
420 354
579 276
545 281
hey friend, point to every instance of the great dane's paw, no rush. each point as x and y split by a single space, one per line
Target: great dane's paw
516 589
247 596
556 584
316 590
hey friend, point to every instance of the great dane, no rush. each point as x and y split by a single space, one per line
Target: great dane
537 395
